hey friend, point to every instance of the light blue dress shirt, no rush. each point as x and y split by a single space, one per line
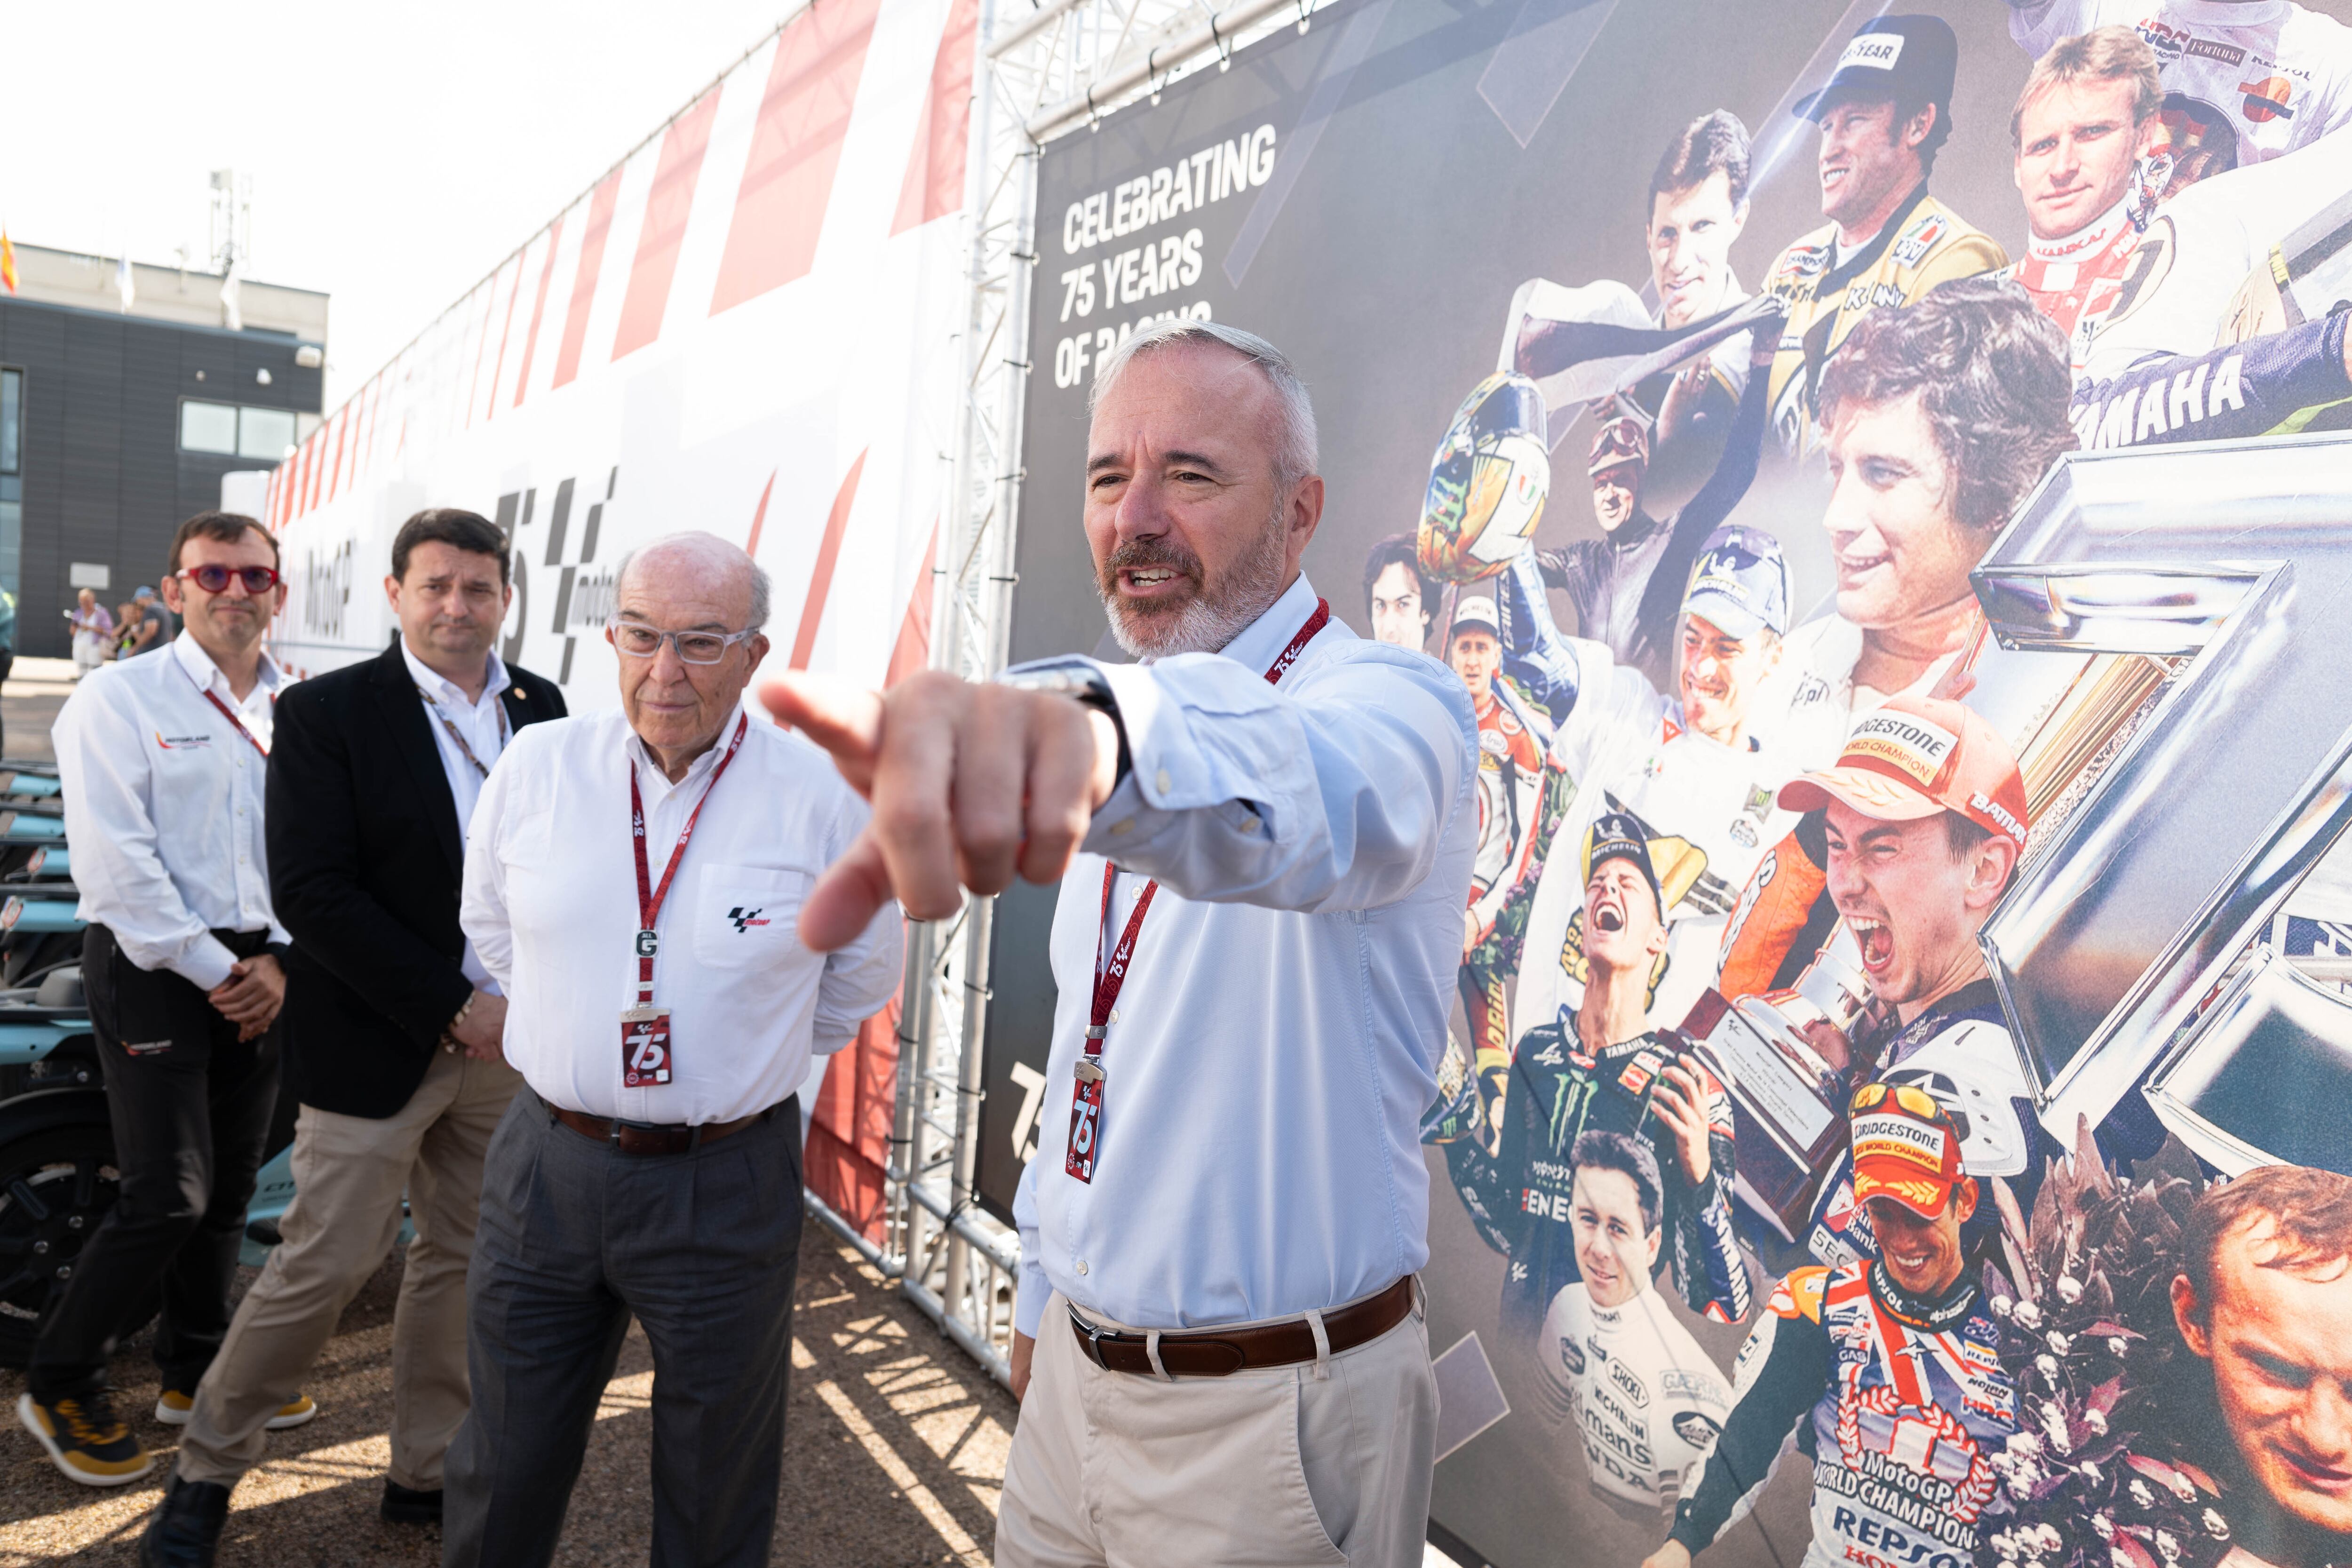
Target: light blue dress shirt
1278 1037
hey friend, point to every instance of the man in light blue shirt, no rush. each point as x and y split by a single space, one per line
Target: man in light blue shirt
1263 832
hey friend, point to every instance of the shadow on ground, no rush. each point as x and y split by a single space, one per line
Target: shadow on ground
894 1450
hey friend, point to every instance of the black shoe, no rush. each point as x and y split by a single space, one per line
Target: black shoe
187 1527
404 1505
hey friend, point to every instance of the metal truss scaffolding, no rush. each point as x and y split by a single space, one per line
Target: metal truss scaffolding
1044 70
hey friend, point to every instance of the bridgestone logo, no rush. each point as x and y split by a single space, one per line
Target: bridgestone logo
1912 746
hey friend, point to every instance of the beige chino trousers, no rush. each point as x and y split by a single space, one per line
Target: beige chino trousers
1281 1467
349 1174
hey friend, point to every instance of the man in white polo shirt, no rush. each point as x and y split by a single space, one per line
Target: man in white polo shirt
633 883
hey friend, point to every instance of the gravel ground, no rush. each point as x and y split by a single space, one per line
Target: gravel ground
894 1450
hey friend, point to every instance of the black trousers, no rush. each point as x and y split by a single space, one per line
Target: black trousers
191 1106
703 1250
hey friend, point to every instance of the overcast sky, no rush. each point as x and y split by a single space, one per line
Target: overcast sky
398 154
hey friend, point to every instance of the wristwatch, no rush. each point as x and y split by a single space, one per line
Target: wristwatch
1083 681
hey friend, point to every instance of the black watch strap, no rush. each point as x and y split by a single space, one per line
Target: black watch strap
1083 681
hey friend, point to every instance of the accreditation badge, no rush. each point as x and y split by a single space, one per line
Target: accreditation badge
645 1058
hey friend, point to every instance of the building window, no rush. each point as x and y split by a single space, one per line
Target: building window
208 427
12 414
264 433
234 432
12 494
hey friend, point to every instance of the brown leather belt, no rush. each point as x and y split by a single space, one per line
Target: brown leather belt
638 1138
1221 1352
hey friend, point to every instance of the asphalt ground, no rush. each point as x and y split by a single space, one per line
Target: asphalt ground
894 1450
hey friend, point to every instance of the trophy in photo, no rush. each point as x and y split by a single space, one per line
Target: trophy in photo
1787 1106
2197 806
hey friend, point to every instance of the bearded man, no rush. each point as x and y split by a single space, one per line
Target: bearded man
1273 822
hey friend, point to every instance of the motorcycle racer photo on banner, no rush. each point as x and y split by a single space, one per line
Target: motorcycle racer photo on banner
1883 115
1614 1360
2249 79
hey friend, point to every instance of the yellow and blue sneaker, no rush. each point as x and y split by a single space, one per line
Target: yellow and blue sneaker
175 1408
84 1438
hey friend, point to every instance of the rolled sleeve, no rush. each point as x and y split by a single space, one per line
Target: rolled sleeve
1328 793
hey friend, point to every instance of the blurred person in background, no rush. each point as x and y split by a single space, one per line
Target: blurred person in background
154 624
126 630
393 1026
162 764
93 630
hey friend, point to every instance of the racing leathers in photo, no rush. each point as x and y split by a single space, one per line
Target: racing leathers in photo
1640 1391
1924 244
1707 808
1898 1405
2273 385
2243 81
1519 1198
1627 586
1959 1051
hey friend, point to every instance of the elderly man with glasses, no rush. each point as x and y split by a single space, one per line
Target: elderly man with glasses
633 883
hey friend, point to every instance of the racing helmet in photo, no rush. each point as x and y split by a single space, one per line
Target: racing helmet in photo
1487 482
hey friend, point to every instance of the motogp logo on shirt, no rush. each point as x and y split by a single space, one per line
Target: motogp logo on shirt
744 920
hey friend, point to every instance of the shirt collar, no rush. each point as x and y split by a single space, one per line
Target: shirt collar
205 673
640 757
442 689
1261 642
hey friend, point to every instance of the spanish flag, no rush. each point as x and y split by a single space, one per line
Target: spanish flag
7 263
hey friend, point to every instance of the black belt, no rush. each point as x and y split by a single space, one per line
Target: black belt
1221 1352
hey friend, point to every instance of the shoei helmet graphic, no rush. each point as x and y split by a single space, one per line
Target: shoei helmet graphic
1487 482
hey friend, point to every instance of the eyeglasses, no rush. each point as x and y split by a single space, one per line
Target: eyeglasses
1916 1100
641 641
214 579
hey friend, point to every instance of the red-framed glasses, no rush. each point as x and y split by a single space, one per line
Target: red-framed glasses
214 579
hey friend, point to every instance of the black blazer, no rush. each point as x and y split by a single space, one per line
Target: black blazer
365 866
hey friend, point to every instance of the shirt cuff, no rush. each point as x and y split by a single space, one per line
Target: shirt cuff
1029 1303
205 963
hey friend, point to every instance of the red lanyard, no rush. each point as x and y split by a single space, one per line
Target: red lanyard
650 898
1085 1140
230 715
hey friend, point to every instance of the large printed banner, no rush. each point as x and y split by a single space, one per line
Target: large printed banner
1872 467
747 327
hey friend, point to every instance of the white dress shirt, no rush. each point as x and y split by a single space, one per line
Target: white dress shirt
1278 1037
162 802
551 904
484 725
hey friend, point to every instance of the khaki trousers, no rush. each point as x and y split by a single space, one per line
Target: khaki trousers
349 1174
1274 1468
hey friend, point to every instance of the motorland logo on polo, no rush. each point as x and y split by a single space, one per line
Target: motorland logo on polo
1912 747
1903 1138
1872 51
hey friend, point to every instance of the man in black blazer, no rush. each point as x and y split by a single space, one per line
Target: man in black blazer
392 1025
